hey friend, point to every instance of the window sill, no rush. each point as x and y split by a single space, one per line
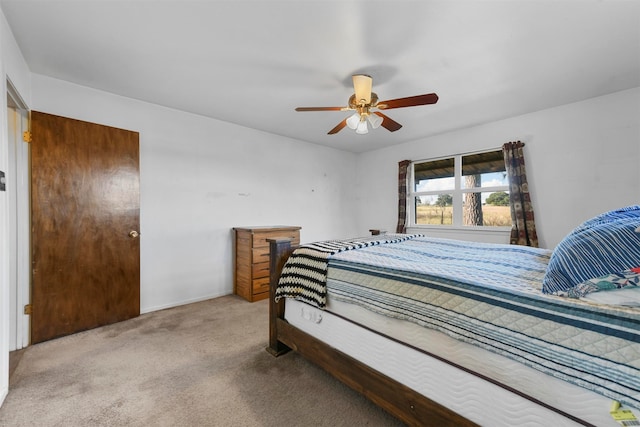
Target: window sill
475 234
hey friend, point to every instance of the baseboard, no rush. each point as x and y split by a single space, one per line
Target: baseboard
183 302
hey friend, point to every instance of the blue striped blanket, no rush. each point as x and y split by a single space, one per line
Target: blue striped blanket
490 296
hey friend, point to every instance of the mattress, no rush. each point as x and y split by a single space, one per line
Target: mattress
474 398
484 294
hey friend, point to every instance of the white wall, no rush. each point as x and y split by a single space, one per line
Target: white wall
200 177
582 159
13 67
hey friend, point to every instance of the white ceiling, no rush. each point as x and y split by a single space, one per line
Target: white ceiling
253 62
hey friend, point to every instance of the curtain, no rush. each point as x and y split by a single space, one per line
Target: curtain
523 229
403 167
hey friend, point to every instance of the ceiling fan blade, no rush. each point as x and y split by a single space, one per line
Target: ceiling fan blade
388 123
321 108
411 101
338 128
362 88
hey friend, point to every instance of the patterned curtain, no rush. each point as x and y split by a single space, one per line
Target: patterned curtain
523 229
403 167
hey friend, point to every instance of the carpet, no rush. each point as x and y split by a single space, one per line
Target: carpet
201 364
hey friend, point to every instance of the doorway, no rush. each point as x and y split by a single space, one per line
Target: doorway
17 183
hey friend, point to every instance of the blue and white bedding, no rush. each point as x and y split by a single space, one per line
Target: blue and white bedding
491 296
304 276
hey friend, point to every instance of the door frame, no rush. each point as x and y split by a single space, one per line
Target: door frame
19 215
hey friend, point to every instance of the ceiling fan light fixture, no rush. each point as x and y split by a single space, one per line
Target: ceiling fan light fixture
353 121
374 120
362 128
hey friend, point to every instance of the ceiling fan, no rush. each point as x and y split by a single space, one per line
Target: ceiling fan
364 100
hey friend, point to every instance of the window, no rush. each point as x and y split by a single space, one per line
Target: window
469 190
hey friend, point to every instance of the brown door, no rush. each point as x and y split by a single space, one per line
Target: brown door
85 204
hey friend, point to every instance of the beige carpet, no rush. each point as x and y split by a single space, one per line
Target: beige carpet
202 364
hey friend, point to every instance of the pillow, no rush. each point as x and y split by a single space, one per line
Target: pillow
614 215
602 247
608 282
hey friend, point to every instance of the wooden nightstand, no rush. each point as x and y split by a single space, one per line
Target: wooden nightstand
252 258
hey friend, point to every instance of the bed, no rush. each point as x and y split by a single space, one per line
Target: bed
443 332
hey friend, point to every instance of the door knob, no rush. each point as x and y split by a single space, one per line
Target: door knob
133 234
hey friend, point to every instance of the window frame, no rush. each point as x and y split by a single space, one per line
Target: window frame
457 194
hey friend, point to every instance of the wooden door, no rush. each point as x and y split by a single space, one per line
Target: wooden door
85 204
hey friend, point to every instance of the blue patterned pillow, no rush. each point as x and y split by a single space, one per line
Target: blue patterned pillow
611 216
601 248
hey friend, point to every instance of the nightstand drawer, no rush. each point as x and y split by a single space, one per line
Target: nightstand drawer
260 254
261 285
260 238
260 269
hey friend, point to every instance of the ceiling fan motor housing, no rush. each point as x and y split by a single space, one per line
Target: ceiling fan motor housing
353 104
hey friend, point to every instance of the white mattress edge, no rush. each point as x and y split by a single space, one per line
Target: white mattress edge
468 395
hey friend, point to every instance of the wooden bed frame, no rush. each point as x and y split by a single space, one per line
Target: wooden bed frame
404 403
